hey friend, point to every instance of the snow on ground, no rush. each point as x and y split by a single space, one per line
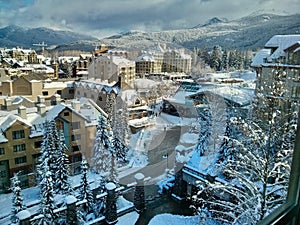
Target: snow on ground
128 219
169 219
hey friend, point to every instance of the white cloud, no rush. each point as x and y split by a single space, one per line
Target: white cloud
118 15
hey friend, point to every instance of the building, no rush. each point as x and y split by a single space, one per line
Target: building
33 85
159 60
147 64
81 66
112 68
96 91
278 63
22 131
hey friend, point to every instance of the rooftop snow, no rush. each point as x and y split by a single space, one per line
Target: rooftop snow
260 56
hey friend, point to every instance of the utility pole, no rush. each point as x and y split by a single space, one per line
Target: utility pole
43 45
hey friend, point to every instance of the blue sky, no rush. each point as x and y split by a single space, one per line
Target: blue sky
104 17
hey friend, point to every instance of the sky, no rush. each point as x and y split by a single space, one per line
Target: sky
106 17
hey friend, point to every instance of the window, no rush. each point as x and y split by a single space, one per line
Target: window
59 92
77 158
66 113
20 160
75 125
2 151
75 137
18 134
38 144
71 91
45 93
100 99
19 148
76 148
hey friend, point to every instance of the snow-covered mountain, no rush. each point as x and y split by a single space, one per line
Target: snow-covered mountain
12 36
251 31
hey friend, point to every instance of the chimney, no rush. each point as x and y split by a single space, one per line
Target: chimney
22 112
41 99
8 102
76 105
57 99
41 108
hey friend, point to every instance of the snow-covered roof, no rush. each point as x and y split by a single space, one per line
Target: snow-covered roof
145 57
122 61
99 86
259 57
7 121
58 84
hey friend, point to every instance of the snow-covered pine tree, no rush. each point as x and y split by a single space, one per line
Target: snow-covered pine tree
101 159
85 192
62 185
17 199
120 150
49 148
248 191
225 60
205 130
124 137
216 58
47 200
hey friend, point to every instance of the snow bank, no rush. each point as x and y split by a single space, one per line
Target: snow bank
169 219
128 219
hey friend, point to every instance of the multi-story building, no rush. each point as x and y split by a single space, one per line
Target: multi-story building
34 85
147 64
161 60
277 67
96 91
111 68
22 132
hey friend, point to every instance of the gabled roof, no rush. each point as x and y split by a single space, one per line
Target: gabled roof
7 121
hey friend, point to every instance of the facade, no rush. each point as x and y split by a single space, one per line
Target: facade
147 64
162 60
81 66
96 91
22 131
279 64
31 86
112 68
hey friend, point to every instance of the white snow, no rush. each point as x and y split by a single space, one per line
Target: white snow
24 214
70 199
169 219
128 219
110 186
139 176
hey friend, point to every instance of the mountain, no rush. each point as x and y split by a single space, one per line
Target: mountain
212 21
12 36
249 32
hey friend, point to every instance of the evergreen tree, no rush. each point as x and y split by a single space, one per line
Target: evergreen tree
47 200
225 60
248 192
120 150
62 185
85 192
215 58
101 159
205 131
17 199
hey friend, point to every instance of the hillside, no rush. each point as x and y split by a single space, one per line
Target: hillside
252 32
12 36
